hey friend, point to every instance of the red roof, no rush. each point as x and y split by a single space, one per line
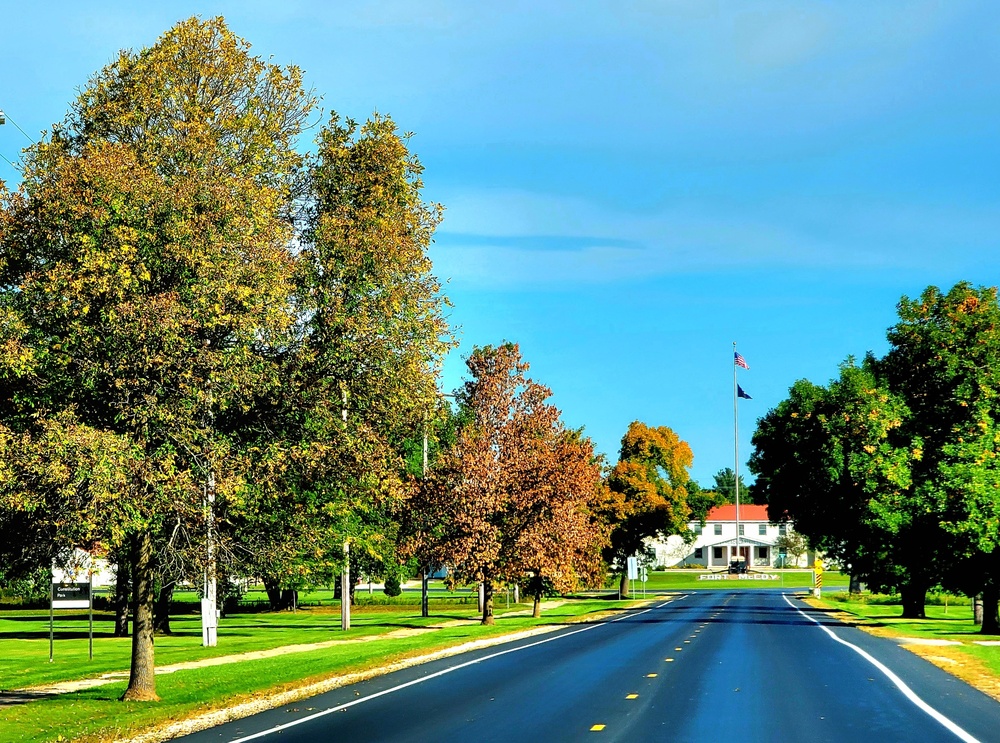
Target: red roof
748 512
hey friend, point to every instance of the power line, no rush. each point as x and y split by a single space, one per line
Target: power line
15 167
4 118
26 135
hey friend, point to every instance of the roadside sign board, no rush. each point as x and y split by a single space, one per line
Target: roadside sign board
633 568
71 595
72 588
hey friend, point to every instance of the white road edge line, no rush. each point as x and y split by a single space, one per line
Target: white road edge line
896 680
354 702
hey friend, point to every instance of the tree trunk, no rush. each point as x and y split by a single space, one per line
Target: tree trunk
538 587
914 598
123 594
289 598
991 597
977 609
221 591
142 680
488 602
273 590
623 585
855 584
161 609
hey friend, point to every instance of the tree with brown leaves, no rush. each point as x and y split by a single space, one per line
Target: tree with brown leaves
514 497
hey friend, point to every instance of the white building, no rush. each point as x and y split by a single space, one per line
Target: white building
716 542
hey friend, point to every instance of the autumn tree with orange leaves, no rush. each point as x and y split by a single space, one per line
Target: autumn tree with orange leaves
515 496
648 492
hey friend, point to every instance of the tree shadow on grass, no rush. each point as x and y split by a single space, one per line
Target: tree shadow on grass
109 692
12 698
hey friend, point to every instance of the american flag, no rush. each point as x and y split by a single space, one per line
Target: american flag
740 361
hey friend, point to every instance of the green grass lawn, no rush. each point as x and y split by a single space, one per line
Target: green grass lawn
946 622
24 647
97 715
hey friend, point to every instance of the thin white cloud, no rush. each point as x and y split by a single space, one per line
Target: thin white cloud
509 239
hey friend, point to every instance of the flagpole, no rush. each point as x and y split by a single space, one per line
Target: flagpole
736 457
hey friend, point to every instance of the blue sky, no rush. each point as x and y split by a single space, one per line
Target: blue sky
631 187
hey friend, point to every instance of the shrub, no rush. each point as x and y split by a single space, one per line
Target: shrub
392 587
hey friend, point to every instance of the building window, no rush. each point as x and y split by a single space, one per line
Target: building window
782 529
718 530
697 528
717 553
698 553
762 529
762 553
741 530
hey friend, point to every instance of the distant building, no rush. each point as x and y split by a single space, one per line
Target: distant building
715 544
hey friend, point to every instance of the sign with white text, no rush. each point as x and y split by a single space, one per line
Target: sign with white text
71 595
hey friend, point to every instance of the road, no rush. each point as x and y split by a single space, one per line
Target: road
748 666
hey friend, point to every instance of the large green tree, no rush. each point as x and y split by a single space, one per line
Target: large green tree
893 467
145 265
943 361
359 368
832 460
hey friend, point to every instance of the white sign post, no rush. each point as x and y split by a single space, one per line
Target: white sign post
633 570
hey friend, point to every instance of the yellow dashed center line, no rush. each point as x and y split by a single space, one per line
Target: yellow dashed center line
651 675
669 660
631 696
678 649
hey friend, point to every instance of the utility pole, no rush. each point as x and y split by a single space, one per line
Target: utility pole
209 609
736 449
345 577
425 609
345 589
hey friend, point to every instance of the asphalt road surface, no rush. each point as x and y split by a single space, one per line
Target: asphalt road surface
741 667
